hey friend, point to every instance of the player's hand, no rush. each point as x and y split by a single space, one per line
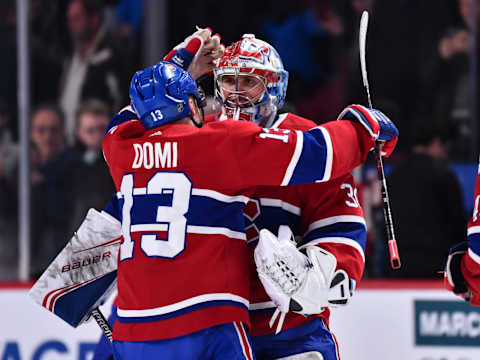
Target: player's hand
197 53
377 124
453 279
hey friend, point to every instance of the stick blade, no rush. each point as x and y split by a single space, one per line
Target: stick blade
362 40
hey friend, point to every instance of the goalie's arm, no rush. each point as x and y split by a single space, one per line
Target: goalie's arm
333 220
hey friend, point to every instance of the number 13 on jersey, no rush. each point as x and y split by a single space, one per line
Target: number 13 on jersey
170 218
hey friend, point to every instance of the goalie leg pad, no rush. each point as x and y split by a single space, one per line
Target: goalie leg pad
84 273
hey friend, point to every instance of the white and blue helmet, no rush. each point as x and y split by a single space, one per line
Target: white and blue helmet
254 58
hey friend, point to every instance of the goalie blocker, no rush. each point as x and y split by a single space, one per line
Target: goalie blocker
304 284
84 273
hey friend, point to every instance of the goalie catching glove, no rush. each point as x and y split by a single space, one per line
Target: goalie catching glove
304 284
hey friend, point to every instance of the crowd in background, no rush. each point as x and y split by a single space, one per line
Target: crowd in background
83 53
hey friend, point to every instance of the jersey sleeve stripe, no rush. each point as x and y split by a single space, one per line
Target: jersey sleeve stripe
474 243
336 219
315 161
338 240
353 231
328 166
473 230
124 115
182 305
474 256
294 160
281 204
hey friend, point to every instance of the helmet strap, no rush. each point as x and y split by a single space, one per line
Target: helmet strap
196 123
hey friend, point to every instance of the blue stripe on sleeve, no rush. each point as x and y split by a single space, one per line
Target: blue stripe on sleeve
314 152
121 117
350 230
474 243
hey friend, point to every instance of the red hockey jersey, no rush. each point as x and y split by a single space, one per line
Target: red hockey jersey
471 261
324 214
182 191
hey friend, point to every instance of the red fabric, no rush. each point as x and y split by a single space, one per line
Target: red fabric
228 157
316 202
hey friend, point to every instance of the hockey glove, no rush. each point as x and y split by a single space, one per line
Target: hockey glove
197 53
295 282
378 125
453 278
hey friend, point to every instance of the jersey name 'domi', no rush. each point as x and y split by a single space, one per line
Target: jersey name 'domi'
157 154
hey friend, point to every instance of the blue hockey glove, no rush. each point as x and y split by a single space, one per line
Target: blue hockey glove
378 125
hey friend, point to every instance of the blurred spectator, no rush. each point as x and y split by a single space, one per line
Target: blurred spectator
8 148
97 68
8 199
313 39
427 206
51 201
44 67
91 183
446 80
396 50
125 16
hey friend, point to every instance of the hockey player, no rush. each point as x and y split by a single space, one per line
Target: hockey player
462 271
297 205
251 85
181 190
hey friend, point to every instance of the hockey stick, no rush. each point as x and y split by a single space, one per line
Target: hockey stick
102 323
387 213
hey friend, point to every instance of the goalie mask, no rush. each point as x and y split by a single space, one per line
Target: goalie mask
250 81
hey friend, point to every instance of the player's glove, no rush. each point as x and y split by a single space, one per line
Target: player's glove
378 125
197 53
295 282
453 278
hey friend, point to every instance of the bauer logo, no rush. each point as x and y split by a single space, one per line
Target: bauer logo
444 323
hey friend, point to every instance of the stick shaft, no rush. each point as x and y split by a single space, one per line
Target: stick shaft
387 213
103 324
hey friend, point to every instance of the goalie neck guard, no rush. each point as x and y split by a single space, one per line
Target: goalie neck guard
258 60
